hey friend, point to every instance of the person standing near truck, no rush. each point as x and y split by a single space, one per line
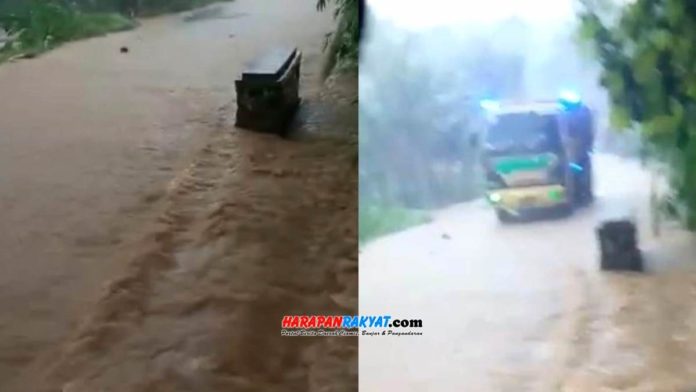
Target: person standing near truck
581 131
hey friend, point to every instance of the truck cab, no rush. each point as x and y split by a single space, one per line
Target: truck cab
536 157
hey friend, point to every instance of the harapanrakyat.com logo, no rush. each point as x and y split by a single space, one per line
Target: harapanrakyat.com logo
332 325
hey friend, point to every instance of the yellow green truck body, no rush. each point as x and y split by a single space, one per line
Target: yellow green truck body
532 160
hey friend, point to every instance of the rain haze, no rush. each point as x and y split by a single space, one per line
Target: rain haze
412 14
509 301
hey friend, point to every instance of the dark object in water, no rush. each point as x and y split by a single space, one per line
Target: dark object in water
124 49
268 92
618 246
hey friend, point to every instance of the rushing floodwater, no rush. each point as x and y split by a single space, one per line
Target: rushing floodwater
525 307
89 139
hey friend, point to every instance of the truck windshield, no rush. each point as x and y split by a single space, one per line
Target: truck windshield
523 133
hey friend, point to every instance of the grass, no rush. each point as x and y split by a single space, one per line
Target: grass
377 221
37 39
159 7
44 25
93 25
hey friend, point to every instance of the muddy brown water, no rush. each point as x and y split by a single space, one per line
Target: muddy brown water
91 139
525 307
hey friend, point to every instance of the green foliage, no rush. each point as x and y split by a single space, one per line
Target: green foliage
90 25
42 24
344 47
157 7
141 7
648 53
417 116
376 220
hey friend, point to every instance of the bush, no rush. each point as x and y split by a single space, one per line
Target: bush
646 51
145 7
416 120
41 25
344 43
378 220
157 7
90 25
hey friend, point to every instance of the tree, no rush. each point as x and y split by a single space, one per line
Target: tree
344 43
419 105
647 51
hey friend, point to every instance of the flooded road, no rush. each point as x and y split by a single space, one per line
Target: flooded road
94 143
525 307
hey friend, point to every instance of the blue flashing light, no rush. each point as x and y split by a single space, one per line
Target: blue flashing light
490 105
569 100
570 97
577 168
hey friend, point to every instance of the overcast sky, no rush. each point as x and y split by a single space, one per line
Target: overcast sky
412 14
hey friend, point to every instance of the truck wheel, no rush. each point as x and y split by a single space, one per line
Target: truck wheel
565 210
586 191
586 197
590 190
503 216
590 198
582 192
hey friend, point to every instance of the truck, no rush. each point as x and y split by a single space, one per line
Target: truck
537 156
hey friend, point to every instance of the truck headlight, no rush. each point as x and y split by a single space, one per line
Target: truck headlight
495 198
